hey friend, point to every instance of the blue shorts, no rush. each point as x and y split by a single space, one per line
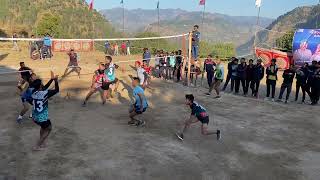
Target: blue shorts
23 100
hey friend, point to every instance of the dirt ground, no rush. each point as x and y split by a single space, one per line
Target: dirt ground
261 140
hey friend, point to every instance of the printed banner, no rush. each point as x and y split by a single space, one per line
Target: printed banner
306 46
79 46
266 55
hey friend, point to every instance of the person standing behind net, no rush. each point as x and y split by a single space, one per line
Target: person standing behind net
47 42
116 49
229 74
288 76
32 46
234 73
172 64
258 75
123 48
315 87
218 78
301 76
15 42
195 42
146 56
128 48
272 78
107 48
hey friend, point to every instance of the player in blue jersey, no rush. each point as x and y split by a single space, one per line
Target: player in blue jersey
26 98
198 114
140 105
40 97
111 76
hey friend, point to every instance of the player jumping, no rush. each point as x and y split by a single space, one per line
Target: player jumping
40 97
140 105
198 113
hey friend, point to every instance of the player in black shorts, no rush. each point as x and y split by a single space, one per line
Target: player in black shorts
198 113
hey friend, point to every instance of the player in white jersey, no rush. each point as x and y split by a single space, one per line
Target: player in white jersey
40 115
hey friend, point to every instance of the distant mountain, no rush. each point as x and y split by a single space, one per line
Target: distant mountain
75 19
217 27
301 17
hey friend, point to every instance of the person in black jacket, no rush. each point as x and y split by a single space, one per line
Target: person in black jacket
229 74
315 87
288 76
249 77
312 69
209 67
301 75
241 71
258 76
272 77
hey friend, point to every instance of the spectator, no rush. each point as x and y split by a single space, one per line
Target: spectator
301 76
47 42
116 49
229 73
128 48
15 42
178 64
234 73
172 64
146 56
107 47
209 68
315 87
241 72
33 46
123 48
195 42
272 78
288 76
249 79
258 76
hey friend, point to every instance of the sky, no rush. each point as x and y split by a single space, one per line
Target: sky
269 8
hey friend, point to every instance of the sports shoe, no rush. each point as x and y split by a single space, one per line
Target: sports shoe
208 94
218 135
132 123
30 116
217 97
272 100
19 119
180 136
286 102
84 104
141 123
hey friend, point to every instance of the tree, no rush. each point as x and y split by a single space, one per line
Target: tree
285 42
223 50
49 23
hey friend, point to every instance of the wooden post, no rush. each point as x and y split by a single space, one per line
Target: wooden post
189 58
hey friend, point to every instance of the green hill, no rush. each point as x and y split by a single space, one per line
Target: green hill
62 18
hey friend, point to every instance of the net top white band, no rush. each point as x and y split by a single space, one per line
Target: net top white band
111 39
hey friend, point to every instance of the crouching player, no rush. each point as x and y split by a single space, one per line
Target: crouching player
140 105
40 97
26 97
198 113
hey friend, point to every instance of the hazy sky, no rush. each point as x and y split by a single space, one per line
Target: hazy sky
270 8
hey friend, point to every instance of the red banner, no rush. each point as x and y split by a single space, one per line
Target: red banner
64 46
266 55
